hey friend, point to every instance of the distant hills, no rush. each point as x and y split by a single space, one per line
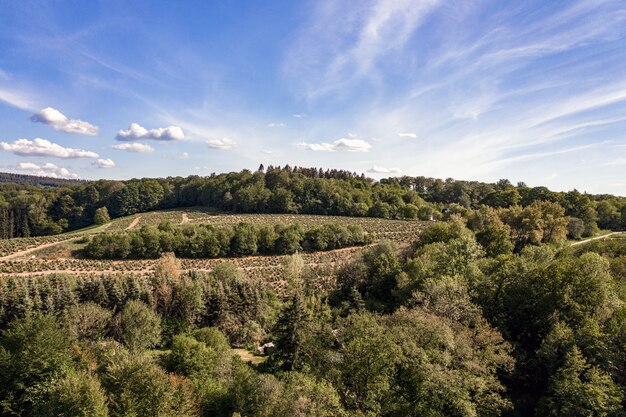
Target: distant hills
36 180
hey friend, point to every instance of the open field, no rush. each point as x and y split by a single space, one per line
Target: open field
61 253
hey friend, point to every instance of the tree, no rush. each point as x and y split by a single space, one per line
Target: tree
101 216
33 352
575 228
79 394
289 334
138 327
608 215
369 356
138 387
88 321
580 390
244 241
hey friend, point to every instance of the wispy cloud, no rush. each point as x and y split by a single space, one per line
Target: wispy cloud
58 121
409 135
276 125
138 132
43 147
345 41
16 99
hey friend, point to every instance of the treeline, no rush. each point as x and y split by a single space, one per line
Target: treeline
36 180
207 241
30 211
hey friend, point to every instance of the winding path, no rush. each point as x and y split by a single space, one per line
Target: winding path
31 250
597 238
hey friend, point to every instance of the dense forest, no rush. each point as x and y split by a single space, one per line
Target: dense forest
33 210
452 326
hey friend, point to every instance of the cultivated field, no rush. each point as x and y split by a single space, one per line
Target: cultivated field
61 253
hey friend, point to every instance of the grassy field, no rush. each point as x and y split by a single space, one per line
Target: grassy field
61 253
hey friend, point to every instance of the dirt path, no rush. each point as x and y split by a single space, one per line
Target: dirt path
596 238
31 250
134 223
185 219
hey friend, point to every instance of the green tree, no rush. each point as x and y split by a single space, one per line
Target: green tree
33 352
244 242
138 387
101 216
138 327
290 334
580 390
79 394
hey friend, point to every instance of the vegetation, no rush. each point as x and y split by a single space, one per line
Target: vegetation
206 241
486 313
32 210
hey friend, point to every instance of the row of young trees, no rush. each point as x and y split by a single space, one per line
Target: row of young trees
445 328
207 241
28 210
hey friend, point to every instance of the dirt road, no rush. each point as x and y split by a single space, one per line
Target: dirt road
31 250
134 223
596 238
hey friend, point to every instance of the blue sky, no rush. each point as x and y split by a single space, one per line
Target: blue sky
531 91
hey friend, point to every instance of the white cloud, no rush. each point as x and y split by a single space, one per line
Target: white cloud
299 115
58 121
104 163
224 143
136 132
46 170
343 144
183 155
134 147
410 135
43 147
267 152
276 125
377 169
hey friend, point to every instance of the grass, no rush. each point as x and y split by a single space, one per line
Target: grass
247 356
